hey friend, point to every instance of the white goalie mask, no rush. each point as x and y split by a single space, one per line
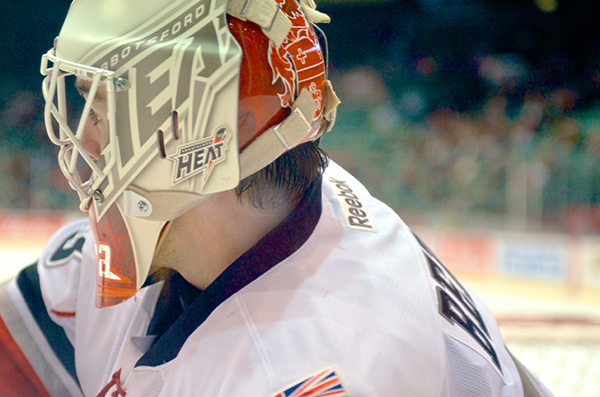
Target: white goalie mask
167 77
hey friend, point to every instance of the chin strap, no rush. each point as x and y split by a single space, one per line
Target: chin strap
297 128
280 138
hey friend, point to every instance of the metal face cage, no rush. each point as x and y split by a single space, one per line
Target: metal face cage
71 149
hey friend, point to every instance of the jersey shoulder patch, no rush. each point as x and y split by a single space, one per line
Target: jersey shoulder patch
325 382
66 244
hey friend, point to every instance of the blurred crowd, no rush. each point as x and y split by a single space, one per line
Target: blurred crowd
533 160
29 173
527 157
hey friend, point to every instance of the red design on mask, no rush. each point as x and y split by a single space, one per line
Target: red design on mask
271 78
115 263
298 62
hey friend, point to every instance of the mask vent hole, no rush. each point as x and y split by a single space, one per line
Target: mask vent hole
161 144
175 117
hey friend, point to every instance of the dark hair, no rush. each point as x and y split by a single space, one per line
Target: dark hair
286 179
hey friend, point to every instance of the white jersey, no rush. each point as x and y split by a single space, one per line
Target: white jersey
340 299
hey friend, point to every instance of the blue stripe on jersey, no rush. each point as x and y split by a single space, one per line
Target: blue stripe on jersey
273 248
28 282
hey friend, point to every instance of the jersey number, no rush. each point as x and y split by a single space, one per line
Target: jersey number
103 255
456 305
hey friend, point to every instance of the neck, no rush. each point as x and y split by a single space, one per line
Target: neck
204 241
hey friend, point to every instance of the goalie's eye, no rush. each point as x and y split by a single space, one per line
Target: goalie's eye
93 116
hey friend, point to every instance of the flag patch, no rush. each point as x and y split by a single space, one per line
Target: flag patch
320 384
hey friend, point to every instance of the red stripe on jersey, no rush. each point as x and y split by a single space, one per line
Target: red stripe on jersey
63 314
17 376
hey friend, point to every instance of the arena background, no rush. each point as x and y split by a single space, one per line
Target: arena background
478 121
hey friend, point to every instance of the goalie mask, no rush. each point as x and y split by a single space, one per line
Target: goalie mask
182 100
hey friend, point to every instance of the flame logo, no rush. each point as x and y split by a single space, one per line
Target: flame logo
298 62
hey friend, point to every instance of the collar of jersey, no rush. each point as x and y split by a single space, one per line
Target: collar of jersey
278 244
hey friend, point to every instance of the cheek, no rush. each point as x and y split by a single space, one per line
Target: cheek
95 138
92 140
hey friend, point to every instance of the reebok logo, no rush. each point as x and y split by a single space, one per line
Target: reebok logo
352 207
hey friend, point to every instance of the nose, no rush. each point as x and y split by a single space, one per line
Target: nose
92 139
